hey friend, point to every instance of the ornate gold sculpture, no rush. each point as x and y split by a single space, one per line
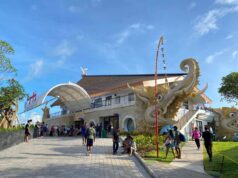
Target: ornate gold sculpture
46 113
170 98
9 116
226 121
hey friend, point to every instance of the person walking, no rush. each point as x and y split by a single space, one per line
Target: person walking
177 142
27 131
207 136
169 143
196 136
36 130
84 134
100 130
115 139
91 134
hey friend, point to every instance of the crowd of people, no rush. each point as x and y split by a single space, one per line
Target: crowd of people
89 133
42 129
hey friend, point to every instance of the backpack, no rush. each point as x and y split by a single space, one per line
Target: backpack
182 137
90 132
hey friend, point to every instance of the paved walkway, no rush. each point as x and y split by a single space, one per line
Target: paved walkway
191 164
65 157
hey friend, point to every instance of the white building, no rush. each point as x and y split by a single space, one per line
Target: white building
106 99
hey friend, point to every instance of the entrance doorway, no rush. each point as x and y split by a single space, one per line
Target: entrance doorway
199 126
110 120
79 124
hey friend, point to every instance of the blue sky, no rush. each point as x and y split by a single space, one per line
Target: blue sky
53 39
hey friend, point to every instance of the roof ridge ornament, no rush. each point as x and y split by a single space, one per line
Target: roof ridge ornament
83 71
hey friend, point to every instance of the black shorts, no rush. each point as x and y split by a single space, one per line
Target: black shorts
27 134
89 142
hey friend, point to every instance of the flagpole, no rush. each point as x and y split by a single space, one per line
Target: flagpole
156 101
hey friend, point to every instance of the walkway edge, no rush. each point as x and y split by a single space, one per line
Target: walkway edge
142 162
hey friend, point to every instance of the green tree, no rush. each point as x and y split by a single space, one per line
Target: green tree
5 63
10 91
229 87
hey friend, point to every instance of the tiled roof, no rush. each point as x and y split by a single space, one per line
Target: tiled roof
94 84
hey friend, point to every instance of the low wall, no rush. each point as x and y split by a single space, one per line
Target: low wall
8 139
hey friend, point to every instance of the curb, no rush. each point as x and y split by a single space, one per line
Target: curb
142 162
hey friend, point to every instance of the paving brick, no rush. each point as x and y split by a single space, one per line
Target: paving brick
66 157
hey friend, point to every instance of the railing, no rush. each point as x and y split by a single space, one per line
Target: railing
124 100
185 119
119 100
56 114
59 114
189 116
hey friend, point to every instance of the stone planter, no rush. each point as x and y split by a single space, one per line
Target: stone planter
8 139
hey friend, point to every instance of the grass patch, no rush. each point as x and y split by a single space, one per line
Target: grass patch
152 157
230 152
15 129
146 147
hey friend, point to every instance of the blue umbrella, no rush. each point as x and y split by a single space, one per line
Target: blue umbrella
165 129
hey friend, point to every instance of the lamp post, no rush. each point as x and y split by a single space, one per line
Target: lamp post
156 90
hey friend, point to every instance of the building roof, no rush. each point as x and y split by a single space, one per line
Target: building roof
71 95
98 84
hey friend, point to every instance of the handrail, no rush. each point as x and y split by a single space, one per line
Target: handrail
123 100
185 119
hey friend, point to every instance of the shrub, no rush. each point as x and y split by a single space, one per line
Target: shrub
132 133
14 129
147 143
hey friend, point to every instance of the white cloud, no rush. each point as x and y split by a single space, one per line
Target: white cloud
150 27
208 22
79 37
234 54
96 2
22 118
135 26
211 57
231 2
35 69
130 30
64 50
60 62
192 5
74 9
122 36
34 116
33 7
229 37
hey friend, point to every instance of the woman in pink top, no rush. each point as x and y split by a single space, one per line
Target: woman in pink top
196 136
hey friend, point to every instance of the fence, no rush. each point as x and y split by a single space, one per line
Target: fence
224 163
117 101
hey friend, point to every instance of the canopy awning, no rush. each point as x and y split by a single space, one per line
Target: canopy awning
71 95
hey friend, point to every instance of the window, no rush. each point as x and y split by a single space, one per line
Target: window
108 100
131 97
98 102
129 125
185 105
117 100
